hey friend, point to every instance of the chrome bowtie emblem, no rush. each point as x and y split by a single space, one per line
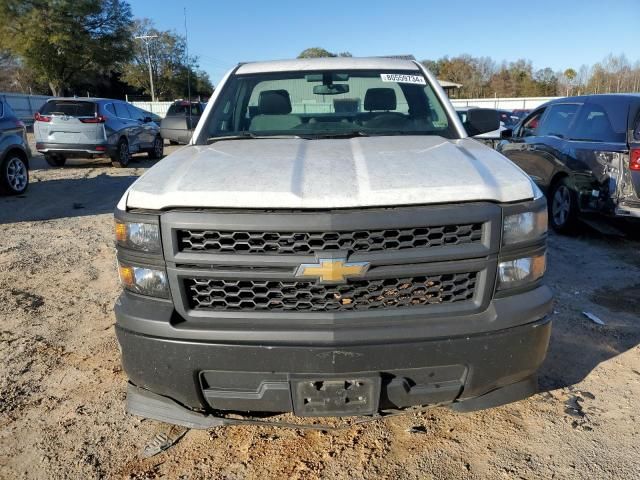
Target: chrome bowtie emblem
332 270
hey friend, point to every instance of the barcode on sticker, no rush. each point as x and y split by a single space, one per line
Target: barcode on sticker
403 78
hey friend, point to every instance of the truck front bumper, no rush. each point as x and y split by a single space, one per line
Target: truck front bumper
193 373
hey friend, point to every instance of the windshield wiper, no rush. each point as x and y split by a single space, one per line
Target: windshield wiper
244 136
354 133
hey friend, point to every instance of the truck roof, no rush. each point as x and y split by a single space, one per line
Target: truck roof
331 63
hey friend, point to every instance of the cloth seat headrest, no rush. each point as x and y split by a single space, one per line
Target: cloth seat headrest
380 99
274 102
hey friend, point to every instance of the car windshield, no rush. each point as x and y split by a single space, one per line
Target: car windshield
70 108
183 109
333 103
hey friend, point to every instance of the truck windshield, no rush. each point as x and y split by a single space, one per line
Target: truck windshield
333 103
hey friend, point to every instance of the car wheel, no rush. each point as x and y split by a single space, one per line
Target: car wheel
158 149
15 175
55 160
122 156
563 207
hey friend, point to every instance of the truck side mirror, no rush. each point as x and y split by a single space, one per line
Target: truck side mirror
481 120
506 133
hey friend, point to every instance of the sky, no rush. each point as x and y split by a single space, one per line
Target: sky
557 34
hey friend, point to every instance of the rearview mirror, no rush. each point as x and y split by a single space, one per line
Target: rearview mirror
481 120
148 119
333 89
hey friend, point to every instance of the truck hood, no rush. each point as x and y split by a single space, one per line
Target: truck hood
329 173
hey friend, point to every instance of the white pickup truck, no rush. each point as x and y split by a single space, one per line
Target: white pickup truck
331 243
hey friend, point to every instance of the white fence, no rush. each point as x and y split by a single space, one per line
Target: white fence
525 103
159 108
24 106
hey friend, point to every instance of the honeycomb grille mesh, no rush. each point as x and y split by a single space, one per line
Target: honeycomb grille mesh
251 295
291 243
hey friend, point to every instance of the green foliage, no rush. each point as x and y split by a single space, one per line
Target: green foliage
168 64
62 40
317 52
570 73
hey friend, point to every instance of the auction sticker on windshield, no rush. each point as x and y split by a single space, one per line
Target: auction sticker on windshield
403 78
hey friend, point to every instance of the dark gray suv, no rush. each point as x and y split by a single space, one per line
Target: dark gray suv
14 152
95 127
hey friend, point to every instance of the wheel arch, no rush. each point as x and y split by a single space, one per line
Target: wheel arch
557 178
15 150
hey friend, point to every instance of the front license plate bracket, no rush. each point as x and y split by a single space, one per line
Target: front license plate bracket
335 397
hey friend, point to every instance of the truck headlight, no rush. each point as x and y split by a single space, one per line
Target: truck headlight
140 236
144 280
524 226
521 271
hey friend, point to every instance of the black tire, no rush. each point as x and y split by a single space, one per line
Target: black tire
55 159
123 156
173 142
157 152
14 174
563 207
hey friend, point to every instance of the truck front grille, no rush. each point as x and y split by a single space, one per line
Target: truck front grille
291 243
252 295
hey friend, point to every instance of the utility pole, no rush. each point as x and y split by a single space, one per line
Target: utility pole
186 44
145 39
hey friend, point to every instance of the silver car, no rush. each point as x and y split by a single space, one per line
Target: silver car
14 152
95 127
180 122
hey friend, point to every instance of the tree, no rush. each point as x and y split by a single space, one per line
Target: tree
63 40
433 66
569 74
169 65
547 82
317 52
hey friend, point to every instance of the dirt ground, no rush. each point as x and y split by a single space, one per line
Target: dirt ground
62 389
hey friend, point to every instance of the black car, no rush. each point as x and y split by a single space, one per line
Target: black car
14 152
584 153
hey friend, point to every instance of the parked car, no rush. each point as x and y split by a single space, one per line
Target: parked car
181 120
297 259
520 113
584 152
94 127
507 119
14 152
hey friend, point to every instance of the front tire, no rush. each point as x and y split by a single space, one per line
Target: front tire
563 207
123 155
55 159
15 175
157 152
